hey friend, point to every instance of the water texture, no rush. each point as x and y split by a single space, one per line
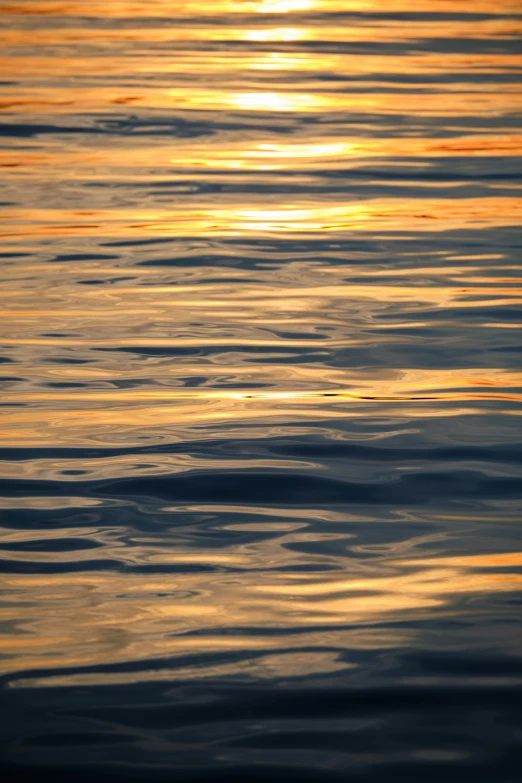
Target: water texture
260 456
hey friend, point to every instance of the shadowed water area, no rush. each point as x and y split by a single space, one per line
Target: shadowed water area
260 348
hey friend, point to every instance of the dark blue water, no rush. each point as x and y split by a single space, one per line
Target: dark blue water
260 436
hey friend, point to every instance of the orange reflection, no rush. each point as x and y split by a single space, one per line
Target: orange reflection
285 6
298 219
273 101
90 619
310 154
285 34
258 121
388 31
181 8
230 63
473 102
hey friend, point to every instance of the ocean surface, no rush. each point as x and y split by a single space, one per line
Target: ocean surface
260 418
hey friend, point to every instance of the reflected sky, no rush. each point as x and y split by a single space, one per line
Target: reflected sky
259 362
140 617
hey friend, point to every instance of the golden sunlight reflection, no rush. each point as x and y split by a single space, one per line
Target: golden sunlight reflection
81 622
185 8
295 217
314 153
469 100
259 355
285 6
275 34
274 101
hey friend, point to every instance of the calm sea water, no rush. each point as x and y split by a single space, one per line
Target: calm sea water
260 462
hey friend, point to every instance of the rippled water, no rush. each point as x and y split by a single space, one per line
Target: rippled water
260 427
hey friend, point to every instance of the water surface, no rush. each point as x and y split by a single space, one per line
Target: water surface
260 461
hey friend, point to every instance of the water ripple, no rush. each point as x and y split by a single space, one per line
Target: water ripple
260 463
